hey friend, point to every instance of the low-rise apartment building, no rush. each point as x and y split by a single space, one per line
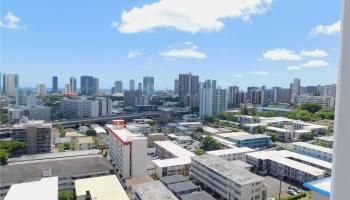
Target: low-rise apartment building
232 154
173 159
251 141
312 150
226 179
266 162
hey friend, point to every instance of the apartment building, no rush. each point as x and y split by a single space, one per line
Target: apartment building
266 162
251 140
324 101
139 128
314 151
155 190
35 134
127 151
232 154
173 159
227 179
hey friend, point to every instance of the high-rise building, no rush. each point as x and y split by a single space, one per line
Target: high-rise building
263 101
73 84
67 89
234 99
295 90
79 108
132 84
26 98
105 106
253 95
281 95
41 90
189 90
10 84
54 84
176 87
148 85
96 86
131 96
118 86
213 84
87 85
35 134
212 101
139 87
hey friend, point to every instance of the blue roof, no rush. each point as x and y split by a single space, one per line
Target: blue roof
312 186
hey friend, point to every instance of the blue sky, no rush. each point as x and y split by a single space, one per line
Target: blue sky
244 43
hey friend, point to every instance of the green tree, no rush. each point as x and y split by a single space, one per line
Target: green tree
244 110
195 109
199 152
3 118
4 155
66 145
8 148
260 130
199 129
326 113
312 107
274 137
61 130
66 195
210 143
91 132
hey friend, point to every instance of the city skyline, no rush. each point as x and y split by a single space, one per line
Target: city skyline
224 46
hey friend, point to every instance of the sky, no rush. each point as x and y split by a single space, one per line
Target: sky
236 42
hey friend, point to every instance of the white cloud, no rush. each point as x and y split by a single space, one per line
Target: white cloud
314 53
261 73
281 54
237 75
325 29
11 22
184 53
189 15
133 54
294 68
314 64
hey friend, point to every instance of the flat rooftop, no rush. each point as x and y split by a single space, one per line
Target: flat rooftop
315 147
231 134
211 130
250 137
231 151
322 186
43 189
122 133
182 186
59 167
197 196
242 164
153 191
228 169
48 156
172 162
103 187
267 155
175 149
315 161
326 138
173 179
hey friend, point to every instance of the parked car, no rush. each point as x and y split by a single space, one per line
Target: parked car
291 192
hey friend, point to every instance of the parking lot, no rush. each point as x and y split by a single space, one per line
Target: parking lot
273 186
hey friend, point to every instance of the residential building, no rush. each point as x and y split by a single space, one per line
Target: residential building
314 151
67 89
87 85
183 188
132 85
40 113
96 86
128 151
232 154
10 84
266 162
189 90
118 86
68 167
320 189
105 106
155 190
225 178
254 95
281 95
73 84
325 141
148 85
139 128
83 143
103 187
35 134
212 101
79 108
153 137
41 90
54 84
295 91
26 98
234 99
131 97
43 189
251 140
176 87
139 87
173 159
324 101
197 196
